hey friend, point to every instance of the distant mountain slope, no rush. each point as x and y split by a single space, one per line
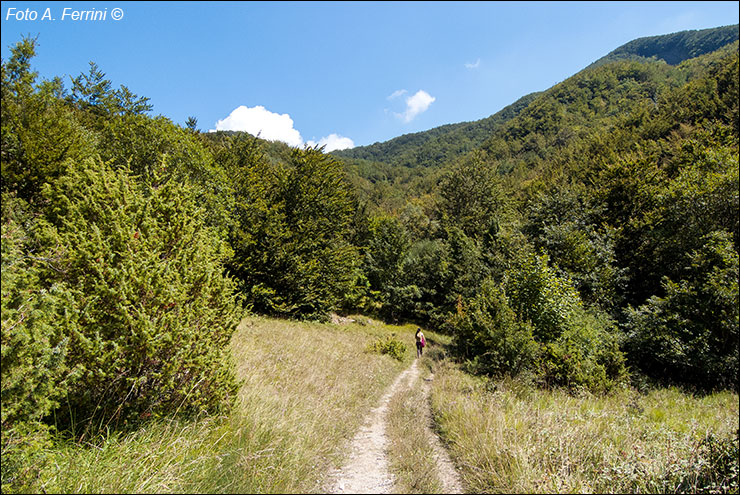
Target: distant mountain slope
534 125
674 48
566 123
540 129
439 145
595 95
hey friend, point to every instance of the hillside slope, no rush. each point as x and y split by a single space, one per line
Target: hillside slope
645 67
674 48
438 145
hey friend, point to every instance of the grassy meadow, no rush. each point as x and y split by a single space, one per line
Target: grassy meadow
305 388
506 436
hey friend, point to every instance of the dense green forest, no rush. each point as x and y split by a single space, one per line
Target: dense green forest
585 236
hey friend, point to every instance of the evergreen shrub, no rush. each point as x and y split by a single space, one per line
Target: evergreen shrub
151 310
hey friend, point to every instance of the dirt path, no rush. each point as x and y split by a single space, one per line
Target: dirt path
366 470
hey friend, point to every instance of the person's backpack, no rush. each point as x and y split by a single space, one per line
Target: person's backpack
423 341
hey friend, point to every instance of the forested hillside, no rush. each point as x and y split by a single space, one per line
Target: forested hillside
600 204
674 48
435 146
585 237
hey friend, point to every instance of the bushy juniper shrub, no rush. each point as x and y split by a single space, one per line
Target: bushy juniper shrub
33 348
490 336
34 345
151 309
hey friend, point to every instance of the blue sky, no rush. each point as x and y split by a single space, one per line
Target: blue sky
340 73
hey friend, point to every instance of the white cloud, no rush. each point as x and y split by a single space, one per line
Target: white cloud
474 65
260 121
271 126
396 94
416 104
333 142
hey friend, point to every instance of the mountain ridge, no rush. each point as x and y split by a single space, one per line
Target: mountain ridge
381 151
674 48
411 150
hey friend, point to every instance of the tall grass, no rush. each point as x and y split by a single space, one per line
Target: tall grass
305 389
507 436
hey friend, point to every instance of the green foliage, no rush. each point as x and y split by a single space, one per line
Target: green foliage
535 322
419 220
25 447
692 332
17 75
385 249
139 142
619 211
39 133
538 295
566 227
489 335
675 213
586 355
291 240
389 345
33 348
578 348
93 94
674 48
152 312
33 316
191 124
423 281
469 265
472 199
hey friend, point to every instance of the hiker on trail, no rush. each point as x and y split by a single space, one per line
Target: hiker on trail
420 342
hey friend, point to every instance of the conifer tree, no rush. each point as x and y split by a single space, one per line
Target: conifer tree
39 133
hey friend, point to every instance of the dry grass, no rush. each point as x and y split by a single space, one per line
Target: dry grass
509 437
306 387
